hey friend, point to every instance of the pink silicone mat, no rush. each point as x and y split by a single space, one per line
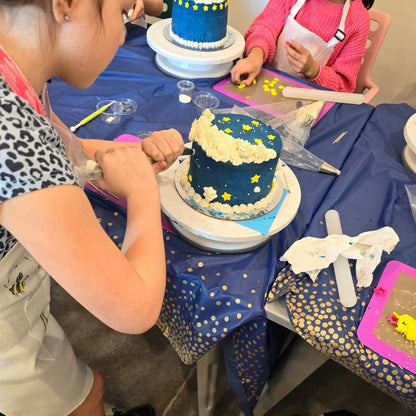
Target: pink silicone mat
396 292
267 90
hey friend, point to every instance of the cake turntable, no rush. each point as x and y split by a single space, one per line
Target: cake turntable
409 151
221 235
180 62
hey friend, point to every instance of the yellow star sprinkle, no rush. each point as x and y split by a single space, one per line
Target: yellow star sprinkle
242 85
226 196
187 5
221 6
281 87
255 122
271 137
266 81
254 81
246 127
195 7
248 97
226 119
180 2
255 178
214 7
227 130
206 8
258 141
190 178
275 79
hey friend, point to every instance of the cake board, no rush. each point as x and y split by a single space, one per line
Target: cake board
180 62
396 292
220 235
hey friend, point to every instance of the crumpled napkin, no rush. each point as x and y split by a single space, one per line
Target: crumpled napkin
310 255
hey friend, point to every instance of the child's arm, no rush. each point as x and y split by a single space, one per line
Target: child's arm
149 7
58 227
162 146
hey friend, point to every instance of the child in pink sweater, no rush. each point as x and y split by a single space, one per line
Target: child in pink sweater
322 41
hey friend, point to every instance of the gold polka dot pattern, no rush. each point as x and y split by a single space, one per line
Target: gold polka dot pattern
331 328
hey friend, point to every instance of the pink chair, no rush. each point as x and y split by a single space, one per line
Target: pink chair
380 22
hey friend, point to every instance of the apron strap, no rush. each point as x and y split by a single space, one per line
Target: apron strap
340 34
296 8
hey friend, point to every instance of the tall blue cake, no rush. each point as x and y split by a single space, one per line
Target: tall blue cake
233 168
199 24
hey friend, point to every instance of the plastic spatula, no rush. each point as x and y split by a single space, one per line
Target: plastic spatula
342 270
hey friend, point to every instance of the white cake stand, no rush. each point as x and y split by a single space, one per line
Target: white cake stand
409 151
180 62
218 235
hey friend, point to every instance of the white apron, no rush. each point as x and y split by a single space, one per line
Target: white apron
319 49
39 373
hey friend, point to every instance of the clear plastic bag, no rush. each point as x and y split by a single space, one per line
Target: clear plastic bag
294 128
85 168
411 194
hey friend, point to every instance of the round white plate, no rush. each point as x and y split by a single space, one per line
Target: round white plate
223 235
180 62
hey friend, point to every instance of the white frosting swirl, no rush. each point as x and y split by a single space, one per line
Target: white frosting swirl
209 193
223 147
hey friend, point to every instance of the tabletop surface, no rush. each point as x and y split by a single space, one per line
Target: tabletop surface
213 297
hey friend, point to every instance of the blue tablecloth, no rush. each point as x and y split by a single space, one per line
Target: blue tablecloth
370 194
212 297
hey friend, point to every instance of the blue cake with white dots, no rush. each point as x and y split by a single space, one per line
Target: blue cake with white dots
233 167
199 24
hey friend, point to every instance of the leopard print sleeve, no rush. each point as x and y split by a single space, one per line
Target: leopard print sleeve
32 155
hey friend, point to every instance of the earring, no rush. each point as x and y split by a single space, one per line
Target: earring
66 17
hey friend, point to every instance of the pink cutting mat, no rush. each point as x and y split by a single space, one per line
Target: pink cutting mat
267 90
396 292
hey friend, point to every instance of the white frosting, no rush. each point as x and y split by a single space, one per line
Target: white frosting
208 1
244 211
209 193
223 147
197 45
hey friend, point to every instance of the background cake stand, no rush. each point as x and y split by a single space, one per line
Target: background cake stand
409 151
180 62
223 235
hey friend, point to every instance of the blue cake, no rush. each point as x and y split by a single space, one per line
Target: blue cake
199 24
233 167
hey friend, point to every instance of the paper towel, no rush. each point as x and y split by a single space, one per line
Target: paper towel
310 255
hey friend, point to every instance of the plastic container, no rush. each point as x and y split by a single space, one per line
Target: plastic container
185 90
113 113
205 101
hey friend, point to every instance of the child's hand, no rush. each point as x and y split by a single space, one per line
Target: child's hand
138 10
126 171
301 59
163 147
245 70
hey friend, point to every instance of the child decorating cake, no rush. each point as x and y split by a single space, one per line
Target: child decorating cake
322 41
47 225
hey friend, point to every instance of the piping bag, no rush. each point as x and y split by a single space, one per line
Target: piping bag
294 129
87 169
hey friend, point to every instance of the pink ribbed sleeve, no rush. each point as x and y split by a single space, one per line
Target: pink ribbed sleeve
321 17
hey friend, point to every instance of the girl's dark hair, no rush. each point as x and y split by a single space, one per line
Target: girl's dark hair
368 3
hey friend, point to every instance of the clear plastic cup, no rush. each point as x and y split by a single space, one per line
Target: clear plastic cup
185 90
112 114
204 101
